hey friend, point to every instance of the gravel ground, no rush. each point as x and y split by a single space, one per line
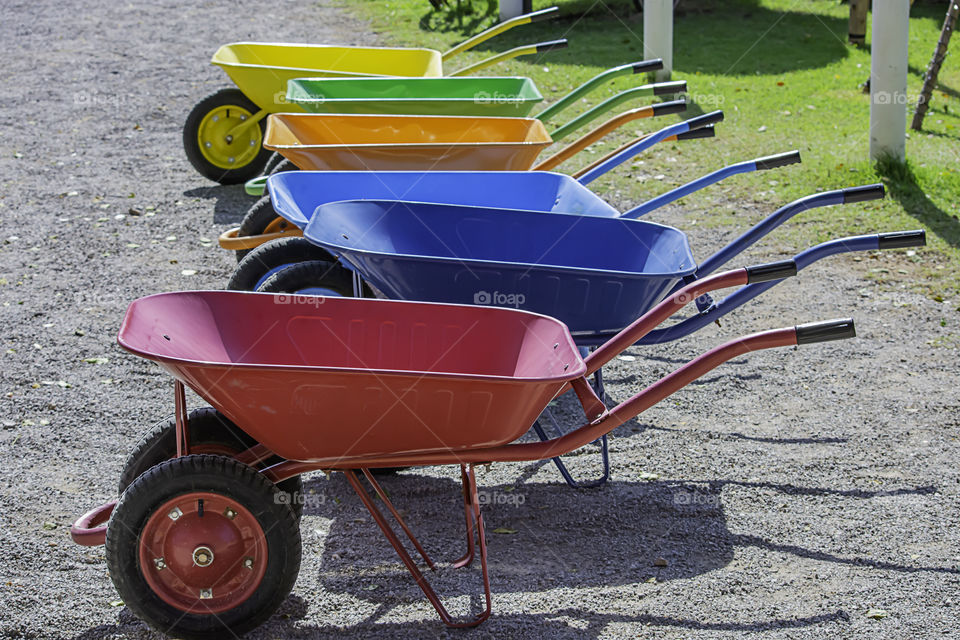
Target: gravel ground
786 494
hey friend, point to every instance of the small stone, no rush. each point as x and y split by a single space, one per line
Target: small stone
660 562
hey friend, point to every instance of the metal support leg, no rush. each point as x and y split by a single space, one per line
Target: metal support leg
475 519
180 410
559 431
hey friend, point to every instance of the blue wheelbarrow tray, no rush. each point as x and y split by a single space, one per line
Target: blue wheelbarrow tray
595 274
296 194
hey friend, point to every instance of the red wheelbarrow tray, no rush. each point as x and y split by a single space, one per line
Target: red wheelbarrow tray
313 378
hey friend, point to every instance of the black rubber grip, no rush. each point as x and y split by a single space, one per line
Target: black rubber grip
902 239
771 271
553 45
648 65
779 160
665 108
708 118
695 134
864 193
544 14
825 331
669 88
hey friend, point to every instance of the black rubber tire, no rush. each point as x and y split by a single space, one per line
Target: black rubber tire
258 217
223 97
274 159
271 255
284 165
207 427
216 474
316 273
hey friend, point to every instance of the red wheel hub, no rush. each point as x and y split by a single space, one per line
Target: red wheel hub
203 553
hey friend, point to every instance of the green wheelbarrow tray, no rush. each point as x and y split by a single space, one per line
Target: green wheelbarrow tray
509 96
486 96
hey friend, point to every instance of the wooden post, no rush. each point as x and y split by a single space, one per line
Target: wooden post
933 69
857 30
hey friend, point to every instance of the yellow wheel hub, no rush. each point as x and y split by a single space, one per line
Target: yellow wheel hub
220 142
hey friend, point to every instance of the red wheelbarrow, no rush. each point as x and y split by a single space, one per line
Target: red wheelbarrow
207 543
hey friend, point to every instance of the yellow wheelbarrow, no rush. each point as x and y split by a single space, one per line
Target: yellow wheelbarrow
223 134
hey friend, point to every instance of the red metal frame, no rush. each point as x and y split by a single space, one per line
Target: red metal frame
180 417
474 517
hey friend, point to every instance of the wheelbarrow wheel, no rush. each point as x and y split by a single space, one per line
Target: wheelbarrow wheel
211 433
274 159
316 277
258 219
284 165
214 147
271 257
203 547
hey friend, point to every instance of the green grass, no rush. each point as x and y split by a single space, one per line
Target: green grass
786 79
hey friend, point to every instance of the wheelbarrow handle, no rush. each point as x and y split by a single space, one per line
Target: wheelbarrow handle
646 66
526 50
599 132
552 45
669 88
706 119
758 164
595 112
771 271
704 132
696 134
593 83
870 242
779 160
506 25
667 108
825 331
672 304
864 193
647 142
902 239
771 222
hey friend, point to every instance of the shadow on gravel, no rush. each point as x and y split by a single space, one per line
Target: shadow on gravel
633 524
231 201
563 623
617 538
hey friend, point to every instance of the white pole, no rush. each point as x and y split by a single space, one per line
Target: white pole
511 9
658 34
888 78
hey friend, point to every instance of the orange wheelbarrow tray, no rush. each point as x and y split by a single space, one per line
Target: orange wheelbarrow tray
349 384
368 142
